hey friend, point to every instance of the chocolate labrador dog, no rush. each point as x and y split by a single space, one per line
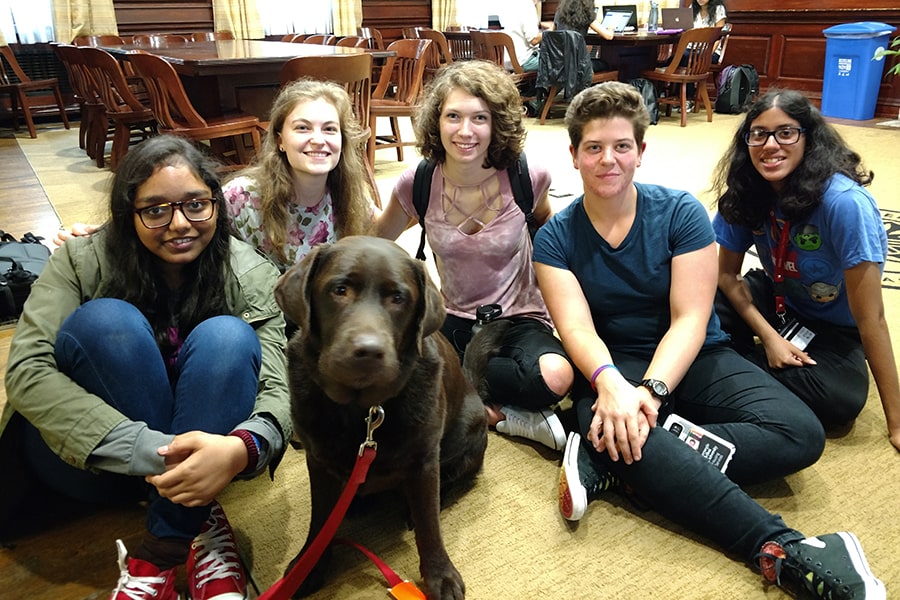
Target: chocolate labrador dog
368 318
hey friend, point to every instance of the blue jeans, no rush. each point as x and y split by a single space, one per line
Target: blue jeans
774 432
107 347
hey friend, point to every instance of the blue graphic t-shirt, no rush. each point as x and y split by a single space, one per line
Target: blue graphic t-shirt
844 231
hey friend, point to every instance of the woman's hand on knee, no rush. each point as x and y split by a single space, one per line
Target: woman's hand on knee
198 466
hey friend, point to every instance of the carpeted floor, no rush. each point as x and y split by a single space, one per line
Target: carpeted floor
505 535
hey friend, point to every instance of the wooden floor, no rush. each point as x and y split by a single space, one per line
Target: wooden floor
22 199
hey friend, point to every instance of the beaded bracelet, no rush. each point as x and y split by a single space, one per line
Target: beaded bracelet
599 370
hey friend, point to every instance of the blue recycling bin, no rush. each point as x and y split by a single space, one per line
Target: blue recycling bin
852 73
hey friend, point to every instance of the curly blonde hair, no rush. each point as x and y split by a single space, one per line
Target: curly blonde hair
490 83
349 183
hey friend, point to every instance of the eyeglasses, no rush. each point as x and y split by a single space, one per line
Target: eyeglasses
160 215
785 136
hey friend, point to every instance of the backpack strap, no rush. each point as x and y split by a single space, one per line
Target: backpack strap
421 193
519 179
523 192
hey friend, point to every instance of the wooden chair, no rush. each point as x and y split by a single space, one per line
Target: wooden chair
497 47
695 47
376 41
19 87
438 55
554 77
460 43
175 114
99 40
324 39
294 37
130 120
403 74
211 36
353 41
716 68
89 106
353 72
158 40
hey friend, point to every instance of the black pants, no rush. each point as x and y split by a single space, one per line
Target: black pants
836 387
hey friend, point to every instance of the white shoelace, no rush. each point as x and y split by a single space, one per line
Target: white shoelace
216 552
133 586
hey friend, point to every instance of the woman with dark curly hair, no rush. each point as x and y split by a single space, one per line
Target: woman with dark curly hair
469 123
791 187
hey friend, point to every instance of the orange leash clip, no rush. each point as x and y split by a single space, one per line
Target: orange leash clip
406 590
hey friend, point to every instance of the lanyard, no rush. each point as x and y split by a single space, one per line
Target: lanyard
778 258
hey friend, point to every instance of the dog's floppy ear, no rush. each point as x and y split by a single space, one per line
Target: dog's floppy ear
293 290
431 305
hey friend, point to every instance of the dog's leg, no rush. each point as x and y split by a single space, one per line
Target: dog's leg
442 580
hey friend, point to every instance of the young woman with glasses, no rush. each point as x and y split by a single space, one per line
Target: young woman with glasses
148 366
791 187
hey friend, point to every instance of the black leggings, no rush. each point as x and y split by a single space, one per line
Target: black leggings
513 376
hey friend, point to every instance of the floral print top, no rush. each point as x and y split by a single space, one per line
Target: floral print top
307 226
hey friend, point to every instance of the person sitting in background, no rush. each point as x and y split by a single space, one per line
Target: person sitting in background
520 20
307 186
580 16
469 122
710 13
628 272
148 365
790 187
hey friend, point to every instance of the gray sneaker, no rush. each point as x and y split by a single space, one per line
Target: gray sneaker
580 479
538 425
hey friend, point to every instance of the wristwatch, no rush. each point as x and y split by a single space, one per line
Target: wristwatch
659 390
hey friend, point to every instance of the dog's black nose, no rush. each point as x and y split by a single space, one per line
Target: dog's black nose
368 347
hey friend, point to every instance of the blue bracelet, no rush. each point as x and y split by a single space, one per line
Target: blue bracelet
599 370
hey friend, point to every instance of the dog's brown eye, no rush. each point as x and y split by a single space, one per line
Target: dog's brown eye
398 298
340 290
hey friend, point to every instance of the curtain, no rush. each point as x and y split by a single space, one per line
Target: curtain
72 18
240 17
444 14
346 16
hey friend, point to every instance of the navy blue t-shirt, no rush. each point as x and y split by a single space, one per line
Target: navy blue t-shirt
627 288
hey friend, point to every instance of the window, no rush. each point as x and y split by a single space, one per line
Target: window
27 22
290 16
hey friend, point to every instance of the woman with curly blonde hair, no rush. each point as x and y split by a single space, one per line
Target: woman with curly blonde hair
309 184
469 123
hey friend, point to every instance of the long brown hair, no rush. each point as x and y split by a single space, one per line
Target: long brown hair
348 183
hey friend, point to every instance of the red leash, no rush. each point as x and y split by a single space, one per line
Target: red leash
285 587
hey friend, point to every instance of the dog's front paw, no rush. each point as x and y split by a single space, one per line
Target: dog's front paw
316 578
444 583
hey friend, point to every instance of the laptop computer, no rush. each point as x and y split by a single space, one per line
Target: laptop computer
629 8
678 18
616 20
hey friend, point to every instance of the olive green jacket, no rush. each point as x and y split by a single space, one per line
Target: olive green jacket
72 421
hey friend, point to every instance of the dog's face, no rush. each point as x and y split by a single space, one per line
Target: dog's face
364 307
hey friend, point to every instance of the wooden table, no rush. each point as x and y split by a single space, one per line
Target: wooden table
235 74
631 53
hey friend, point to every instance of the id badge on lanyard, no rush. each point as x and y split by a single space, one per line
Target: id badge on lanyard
790 330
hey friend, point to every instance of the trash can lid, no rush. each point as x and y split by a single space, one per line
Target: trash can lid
865 29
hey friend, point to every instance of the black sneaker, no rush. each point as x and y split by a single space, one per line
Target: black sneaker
831 566
581 480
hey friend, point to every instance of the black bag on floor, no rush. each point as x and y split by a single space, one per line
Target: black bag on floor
736 89
648 92
20 264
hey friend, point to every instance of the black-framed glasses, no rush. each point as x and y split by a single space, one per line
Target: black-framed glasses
160 215
785 136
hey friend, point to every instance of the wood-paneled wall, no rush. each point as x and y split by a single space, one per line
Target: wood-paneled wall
782 38
792 54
